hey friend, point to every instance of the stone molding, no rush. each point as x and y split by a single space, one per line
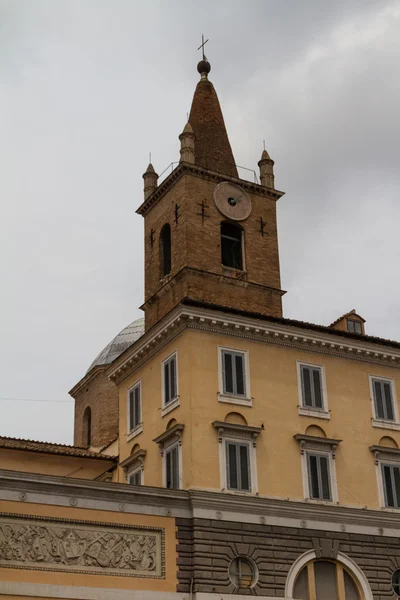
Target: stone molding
266 330
313 442
137 457
246 432
75 546
183 167
73 592
384 453
171 435
96 495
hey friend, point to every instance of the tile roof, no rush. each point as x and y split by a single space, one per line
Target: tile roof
351 312
50 448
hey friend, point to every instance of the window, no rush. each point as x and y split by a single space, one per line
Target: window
231 246
135 478
383 399
165 250
354 326
172 468
311 387
396 582
391 485
238 467
325 580
170 380
318 477
233 373
87 426
134 407
242 572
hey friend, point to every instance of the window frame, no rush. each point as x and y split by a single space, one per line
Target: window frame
318 455
136 471
312 411
167 449
332 475
238 444
242 248
377 421
174 402
355 322
382 460
232 433
138 428
243 400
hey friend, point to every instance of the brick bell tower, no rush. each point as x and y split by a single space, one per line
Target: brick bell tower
210 236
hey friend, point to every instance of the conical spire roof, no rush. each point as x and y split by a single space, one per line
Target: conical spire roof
212 148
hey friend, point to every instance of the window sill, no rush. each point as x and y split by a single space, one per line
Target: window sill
380 423
134 432
310 412
170 406
231 399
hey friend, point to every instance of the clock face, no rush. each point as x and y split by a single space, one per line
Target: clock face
232 201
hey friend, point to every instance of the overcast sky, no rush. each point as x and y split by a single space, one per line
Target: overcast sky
89 87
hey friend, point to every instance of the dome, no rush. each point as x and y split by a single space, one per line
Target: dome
119 344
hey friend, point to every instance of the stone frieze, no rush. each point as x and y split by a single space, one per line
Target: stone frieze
81 547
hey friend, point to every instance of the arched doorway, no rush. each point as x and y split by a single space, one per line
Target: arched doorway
312 578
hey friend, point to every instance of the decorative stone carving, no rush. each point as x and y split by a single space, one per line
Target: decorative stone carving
81 547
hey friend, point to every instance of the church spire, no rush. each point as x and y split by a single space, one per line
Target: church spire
212 148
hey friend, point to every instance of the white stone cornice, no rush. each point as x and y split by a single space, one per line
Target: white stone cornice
288 334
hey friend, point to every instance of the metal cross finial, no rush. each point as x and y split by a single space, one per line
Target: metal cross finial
203 43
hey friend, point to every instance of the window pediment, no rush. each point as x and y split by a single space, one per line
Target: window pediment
237 430
170 436
316 443
135 459
385 453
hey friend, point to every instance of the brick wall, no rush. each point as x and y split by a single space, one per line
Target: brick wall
206 547
196 245
101 396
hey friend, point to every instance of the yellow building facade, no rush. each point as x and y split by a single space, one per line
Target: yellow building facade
221 450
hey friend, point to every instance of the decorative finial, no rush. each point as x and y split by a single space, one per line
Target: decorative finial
204 66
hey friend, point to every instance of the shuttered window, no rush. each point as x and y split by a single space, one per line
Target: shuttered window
233 373
135 407
135 478
319 477
238 466
172 468
383 399
170 387
311 387
391 485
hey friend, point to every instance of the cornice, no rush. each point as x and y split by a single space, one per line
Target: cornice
86 379
183 168
170 281
51 490
292 509
38 486
329 342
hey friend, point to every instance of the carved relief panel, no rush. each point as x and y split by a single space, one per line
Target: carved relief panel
81 547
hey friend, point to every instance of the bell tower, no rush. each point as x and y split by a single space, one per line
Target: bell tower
210 236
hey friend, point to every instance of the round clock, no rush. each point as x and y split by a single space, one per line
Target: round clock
232 201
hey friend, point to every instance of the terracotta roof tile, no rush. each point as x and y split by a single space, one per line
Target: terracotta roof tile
348 314
50 448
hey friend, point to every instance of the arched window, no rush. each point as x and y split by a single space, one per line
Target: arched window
87 426
231 245
325 580
313 578
165 250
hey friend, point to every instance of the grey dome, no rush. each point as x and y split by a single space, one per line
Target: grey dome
119 344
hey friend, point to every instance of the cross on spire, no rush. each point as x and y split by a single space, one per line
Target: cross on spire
201 47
